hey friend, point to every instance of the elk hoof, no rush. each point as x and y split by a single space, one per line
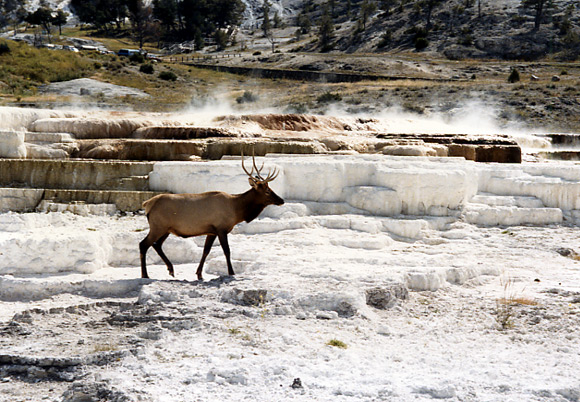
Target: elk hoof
200 278
172 273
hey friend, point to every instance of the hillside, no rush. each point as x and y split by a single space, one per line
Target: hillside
455 29
497 30
425 82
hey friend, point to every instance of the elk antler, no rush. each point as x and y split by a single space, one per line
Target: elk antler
246 170
255 167
271 176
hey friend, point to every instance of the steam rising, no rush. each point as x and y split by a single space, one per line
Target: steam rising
475 117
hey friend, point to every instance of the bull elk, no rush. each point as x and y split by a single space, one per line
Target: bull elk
213 214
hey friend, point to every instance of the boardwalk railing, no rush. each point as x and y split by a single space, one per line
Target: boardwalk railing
194 59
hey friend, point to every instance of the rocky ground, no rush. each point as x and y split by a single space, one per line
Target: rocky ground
496 336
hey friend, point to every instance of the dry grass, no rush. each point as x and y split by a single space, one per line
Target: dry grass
111 43
337 344
521 300
506 306
104 347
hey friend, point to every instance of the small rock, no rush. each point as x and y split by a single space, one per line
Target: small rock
248 297
566 252
282 310
387 296
327 315
301 315
384 330
555 78
297 383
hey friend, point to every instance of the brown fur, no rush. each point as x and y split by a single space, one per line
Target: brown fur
213 214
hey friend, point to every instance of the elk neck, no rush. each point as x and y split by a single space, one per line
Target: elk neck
249 206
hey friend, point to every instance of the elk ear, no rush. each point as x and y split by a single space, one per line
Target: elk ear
253 183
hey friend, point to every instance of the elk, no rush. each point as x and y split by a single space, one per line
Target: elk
213 214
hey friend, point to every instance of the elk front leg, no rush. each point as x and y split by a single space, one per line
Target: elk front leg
223 237
206 249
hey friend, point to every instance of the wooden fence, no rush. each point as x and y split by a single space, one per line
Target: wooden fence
195 59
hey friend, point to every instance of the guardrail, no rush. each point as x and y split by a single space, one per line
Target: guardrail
193 59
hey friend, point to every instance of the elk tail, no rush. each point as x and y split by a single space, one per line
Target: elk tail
147 205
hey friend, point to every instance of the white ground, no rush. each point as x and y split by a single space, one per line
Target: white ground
313 262
91 87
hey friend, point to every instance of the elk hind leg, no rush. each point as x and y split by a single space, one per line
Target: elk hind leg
206 249
144 245
157 246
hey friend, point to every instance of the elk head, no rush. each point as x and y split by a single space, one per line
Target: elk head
264 194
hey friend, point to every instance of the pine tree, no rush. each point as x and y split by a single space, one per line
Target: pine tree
266 24
366 9
325 30
60 19
540 7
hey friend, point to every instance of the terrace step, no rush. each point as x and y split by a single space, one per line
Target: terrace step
497 210
77 208
507 200
29 199
40 137
561 154
75 174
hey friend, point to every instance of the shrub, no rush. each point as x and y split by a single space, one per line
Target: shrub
337 344
247 97
168 76
421 43
114 66
466 40
420 37
137 58
297 108
514 76
4 48
386 39
221 39
328 97
147 68
97 65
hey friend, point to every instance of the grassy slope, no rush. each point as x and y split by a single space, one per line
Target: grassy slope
23 68
542 103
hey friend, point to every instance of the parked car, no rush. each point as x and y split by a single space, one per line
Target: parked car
154 57
89 47
127 52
